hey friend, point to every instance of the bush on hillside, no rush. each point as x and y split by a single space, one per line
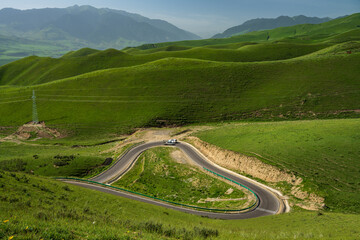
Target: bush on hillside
14 165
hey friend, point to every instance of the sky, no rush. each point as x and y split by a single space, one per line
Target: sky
206 17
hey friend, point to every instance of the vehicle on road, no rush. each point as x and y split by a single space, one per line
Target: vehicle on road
171 142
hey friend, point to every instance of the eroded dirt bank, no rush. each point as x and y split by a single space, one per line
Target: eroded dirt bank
257 169
33 131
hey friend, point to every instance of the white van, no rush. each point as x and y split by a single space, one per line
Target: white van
171 142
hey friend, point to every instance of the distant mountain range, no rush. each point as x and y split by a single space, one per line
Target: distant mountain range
269 23
99 28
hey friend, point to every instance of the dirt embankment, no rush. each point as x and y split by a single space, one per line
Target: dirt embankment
257 169
34 131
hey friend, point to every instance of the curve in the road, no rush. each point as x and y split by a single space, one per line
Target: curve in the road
268 202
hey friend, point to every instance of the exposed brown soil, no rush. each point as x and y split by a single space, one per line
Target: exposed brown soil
257 169
34 131
150 135
239 162
180 157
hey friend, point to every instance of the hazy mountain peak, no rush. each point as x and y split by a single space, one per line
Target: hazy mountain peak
89 26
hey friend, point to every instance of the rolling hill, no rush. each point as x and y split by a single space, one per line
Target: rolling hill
179 91
277 44
290 78
30 70
299 33
269 23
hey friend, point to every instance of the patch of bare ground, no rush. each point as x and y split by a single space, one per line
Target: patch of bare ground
152 135
348 111
257 169
34 131
180 157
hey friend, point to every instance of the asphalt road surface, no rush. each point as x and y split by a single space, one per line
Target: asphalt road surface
268 203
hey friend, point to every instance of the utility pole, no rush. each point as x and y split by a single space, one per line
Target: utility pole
35 114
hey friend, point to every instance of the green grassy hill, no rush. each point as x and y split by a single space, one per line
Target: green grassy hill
41 208
299 33
35 70
324 153
276 44
185 91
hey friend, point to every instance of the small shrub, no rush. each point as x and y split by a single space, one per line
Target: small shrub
60 163
65 158
108 161
86 210
154 227
42 216
66 188
14 165
170 232
42 188
206 232
69 213
3 198
14 200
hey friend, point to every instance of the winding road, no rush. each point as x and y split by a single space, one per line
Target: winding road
268 203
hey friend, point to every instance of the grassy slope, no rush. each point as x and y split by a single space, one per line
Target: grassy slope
277 44
175 89
35 70
324 152
303 32
40 159
41 208
158 175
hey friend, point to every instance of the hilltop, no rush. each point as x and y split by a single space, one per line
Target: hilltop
269 23
307 33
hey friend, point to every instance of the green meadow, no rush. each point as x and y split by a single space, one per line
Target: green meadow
41 208
324 152
183 91
53 160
